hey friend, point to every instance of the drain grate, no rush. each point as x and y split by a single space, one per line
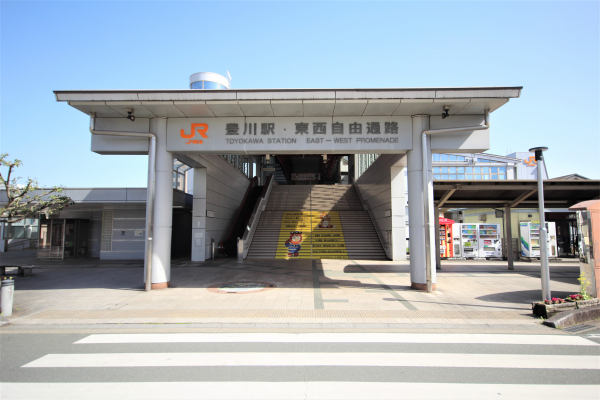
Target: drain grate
578 328
241 287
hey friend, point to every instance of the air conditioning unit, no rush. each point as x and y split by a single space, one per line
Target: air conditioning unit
483 217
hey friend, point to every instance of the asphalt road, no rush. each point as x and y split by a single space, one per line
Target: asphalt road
299 366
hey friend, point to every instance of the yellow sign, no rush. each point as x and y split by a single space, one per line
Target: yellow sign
316 234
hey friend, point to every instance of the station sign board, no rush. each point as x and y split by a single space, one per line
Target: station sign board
317 135
306 177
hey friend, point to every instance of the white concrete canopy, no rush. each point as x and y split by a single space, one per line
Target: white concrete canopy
274 102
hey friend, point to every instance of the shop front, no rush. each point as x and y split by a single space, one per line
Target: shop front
63 238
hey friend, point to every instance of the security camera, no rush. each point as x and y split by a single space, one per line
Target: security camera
446 112
130 115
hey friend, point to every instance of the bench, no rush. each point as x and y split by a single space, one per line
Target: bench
23 271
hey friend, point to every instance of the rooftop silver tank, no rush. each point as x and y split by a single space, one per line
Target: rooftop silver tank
209 80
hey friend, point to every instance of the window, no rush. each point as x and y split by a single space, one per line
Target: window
469 170
469 177
26 229
452 169
485 170
443 157
452 176
444 176
436 157
461 170
477 177
494 177
461 176
451 158
460 158
436 177
436 170
444 170
486 177
494 170
502 177
211 85
502 169
477 170
179 177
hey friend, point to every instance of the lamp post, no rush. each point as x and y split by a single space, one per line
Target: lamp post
539 158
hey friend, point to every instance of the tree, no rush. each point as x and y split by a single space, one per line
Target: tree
22 202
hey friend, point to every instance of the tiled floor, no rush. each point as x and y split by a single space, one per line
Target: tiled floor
323 291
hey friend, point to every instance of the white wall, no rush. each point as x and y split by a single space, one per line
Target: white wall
375 188
225 190
126 246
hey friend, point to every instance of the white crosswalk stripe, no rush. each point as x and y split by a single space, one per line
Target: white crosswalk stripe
315 366
337 338
315 359
293 391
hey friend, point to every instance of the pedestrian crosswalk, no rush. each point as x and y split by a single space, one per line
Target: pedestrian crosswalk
313 366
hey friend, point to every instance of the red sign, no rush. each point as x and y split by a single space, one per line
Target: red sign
446 221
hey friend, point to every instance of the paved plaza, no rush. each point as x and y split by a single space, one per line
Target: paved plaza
301 294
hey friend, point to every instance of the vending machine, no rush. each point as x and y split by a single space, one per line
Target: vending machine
456 232
446 248
530 238
490 244
469 241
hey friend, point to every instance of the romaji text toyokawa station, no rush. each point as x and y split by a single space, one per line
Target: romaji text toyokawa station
269 163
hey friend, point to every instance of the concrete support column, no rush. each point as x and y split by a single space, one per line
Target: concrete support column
416 208
438 257
199 216
508 235
163 209
398 213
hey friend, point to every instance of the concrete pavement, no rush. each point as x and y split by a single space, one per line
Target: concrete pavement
293 294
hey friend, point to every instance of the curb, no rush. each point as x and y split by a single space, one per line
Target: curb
574 317
4 321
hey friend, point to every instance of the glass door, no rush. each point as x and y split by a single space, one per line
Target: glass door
57 240
51 239
44 239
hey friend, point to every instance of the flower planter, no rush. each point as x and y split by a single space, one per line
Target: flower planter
587 303
547 310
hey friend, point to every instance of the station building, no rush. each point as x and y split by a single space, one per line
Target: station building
277 173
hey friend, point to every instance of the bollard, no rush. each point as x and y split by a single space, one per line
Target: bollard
6 296
240 249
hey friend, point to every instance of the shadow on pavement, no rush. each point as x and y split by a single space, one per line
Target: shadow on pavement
520 297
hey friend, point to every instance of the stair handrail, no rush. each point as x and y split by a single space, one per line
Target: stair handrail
21 243
373 220
256 213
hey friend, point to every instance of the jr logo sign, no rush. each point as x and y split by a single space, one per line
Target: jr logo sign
530 161
200 128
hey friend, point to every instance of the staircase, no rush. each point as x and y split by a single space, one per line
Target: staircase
331 218
279 174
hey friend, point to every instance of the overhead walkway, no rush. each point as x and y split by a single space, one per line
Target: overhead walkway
331 219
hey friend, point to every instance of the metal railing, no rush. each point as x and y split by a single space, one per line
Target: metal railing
255 217
24 244
365 204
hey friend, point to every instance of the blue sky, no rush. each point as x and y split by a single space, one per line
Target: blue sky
550 48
